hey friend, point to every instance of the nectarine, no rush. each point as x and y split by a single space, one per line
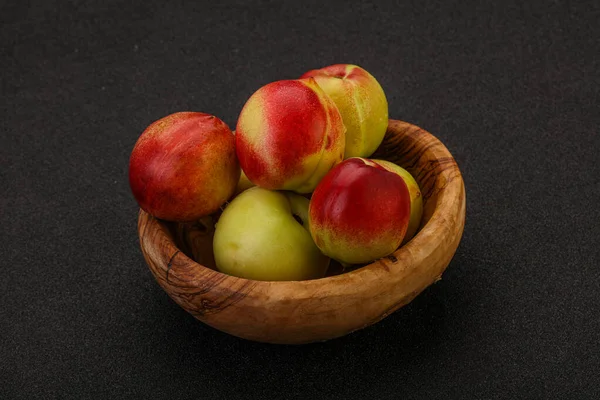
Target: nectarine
289 135
359 212
184 166
362 104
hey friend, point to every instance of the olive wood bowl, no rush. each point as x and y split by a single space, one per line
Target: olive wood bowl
181 260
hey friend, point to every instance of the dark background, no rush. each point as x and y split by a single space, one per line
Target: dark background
512 90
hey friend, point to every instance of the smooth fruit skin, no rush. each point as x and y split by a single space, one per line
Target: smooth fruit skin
416 198
362 104
243 184
184 166
359 212
289 135
257 237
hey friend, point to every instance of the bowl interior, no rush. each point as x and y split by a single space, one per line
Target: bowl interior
195 239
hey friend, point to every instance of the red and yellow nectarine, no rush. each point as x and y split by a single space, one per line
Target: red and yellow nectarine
359 212
362 104
184 166
289 135
416 198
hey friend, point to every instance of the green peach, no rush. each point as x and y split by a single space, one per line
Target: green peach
264 235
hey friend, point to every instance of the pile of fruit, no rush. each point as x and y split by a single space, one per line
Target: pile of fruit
294 181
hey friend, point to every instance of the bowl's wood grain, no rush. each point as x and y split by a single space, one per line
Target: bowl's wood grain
315 310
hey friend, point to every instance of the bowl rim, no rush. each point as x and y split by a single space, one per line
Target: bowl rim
448 205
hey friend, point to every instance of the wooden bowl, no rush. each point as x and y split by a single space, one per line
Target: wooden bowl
180 258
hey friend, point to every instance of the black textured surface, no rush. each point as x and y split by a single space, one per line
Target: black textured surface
512 90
